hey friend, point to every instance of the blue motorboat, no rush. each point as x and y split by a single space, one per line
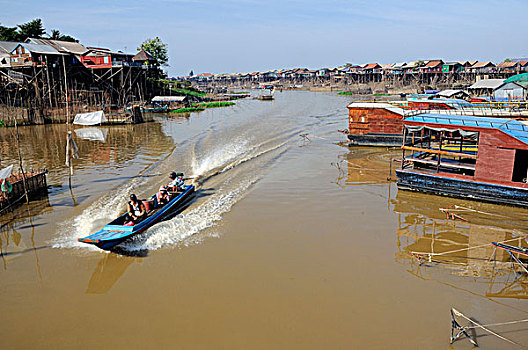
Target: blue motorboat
117 232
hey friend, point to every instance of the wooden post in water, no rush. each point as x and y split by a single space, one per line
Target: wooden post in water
403 148
66 95
440 150
20 162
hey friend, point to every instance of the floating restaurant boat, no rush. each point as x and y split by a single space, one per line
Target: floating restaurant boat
380 123
467 157
116 232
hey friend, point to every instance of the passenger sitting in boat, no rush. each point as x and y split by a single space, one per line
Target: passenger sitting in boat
176 184
162 197
136 209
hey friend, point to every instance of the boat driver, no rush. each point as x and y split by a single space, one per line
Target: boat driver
176 184
136 209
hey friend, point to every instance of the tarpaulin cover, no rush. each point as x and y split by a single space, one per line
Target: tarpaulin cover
6 172
467 134
92 118
517 78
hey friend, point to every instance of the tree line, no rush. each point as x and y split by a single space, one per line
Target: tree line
32 29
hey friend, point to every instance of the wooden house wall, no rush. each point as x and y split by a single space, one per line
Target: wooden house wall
427 105
21 59
362 121
496 156
97 61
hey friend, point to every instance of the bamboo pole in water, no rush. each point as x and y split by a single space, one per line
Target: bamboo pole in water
20 161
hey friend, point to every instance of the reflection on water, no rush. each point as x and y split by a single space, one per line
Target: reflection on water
367 165
427 238
92 133
43 146
109 269
15 240
429 242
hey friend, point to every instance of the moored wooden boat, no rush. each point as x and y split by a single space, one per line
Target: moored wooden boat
116 232
13 190
381 123
467 157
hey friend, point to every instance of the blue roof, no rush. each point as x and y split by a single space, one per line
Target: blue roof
512 127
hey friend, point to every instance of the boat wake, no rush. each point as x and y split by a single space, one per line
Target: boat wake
179 229
95 216
222 176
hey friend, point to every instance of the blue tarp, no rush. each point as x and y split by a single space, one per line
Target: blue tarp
512 127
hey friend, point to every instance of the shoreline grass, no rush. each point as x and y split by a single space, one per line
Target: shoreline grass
188 92
187 110
215 104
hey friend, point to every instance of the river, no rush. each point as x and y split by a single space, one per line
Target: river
290 242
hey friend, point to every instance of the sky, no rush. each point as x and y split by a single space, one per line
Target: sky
223 36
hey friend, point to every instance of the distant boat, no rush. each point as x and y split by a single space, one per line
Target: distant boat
157 109
116 232
266 97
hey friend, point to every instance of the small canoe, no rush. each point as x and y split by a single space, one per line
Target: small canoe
511 248
116 232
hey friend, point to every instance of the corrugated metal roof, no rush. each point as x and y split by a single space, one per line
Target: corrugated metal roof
142 56
507 64
483 64
433 63
38 48
8 46
60 45
449 93
371 66
512 127
487 84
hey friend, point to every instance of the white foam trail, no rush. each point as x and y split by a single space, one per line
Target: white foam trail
189 223
222 156
94 217
183 226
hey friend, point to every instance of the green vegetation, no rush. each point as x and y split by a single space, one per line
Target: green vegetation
215 104
57 35
189 92
380 94
157 49
346 93
187 110
31 29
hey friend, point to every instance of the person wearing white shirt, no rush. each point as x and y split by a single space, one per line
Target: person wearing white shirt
176 183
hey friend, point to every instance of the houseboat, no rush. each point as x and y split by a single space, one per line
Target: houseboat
467 157
381 123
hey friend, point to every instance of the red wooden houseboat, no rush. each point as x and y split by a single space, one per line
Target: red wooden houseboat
466 156
381 123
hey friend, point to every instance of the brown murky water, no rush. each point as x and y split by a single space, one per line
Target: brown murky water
288 243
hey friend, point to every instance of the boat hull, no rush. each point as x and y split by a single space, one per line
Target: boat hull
414 181
112 235
376 140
